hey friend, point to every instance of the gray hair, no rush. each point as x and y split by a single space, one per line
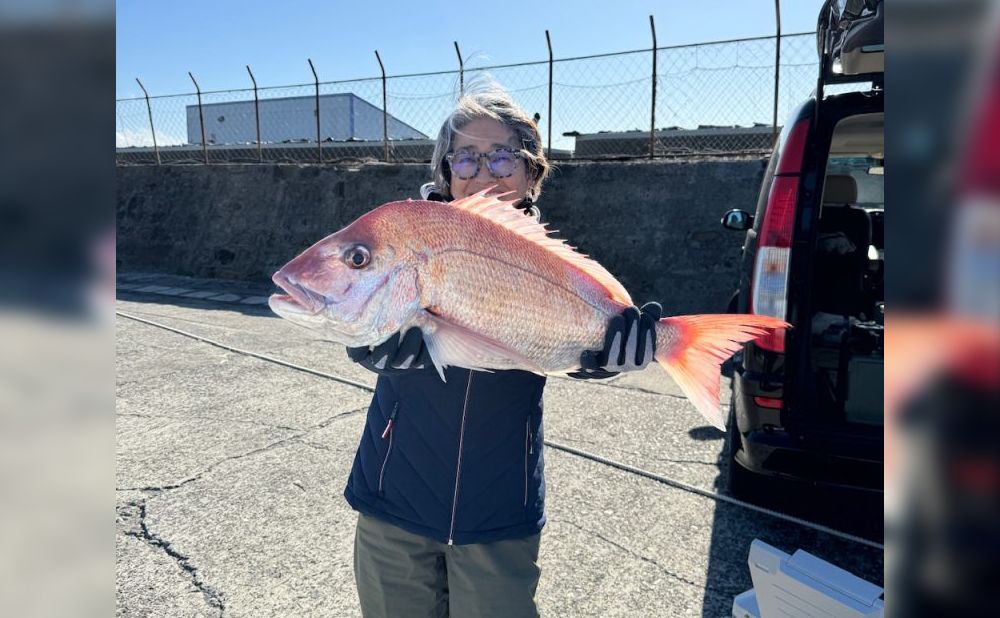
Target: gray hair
494 103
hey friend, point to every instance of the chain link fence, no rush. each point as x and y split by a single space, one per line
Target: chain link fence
710 99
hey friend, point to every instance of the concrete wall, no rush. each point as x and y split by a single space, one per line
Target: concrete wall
654 224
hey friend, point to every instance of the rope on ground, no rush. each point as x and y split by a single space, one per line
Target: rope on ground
560 447
263 357
714 496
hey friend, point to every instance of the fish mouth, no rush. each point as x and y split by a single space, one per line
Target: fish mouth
299 298
287 303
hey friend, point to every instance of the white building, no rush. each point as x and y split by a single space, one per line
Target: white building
343 117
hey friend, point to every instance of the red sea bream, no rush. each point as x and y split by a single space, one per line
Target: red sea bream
491 290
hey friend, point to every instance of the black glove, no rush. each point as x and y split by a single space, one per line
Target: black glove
629 344
394 356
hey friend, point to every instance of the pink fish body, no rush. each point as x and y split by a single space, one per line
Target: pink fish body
491 290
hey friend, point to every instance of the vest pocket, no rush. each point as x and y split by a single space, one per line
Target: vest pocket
528 451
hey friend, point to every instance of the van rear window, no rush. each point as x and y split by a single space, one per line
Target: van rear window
868 173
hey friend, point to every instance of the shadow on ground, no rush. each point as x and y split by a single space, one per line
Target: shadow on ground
194 303
853 512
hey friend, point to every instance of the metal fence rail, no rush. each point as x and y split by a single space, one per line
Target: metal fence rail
707 99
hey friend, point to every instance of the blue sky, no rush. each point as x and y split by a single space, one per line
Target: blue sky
160 41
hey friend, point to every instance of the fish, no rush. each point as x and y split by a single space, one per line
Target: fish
491 289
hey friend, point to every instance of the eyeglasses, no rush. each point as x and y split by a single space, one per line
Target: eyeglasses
501 163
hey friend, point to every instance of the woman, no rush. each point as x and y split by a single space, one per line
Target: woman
448 478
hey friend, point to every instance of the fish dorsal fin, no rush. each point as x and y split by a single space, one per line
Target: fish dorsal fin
503 213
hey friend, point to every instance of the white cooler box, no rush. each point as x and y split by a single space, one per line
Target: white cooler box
803 585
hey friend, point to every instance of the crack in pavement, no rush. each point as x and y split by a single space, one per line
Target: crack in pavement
267 447
213 596
323 447
211 467
326 423
209 418
136 509
727 593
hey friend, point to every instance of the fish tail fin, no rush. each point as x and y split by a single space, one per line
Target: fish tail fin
696 346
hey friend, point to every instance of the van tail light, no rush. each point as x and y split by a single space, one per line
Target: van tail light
981 160
769 285
772 403
973 275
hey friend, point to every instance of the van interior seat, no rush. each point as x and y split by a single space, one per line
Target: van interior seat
845 232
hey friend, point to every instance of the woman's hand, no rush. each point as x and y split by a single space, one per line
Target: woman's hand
395 355
629 344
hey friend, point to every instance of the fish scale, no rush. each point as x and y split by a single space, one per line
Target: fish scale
494 282
520 309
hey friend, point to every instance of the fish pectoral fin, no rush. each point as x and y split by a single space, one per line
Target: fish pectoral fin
450 344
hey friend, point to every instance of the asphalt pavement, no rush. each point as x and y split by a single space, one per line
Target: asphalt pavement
231 468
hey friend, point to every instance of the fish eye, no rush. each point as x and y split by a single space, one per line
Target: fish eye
358 256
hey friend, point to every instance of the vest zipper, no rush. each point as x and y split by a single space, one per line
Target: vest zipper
387 434
458 467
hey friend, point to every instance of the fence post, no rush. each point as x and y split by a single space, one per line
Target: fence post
548 153
256 113
319 139
152 130
652 107
777 71
461 71
385 110
201 118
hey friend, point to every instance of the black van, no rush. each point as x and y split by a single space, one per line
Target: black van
807 403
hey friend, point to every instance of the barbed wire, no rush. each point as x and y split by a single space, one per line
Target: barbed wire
710 99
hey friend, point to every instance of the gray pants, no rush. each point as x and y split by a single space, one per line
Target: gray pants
400 574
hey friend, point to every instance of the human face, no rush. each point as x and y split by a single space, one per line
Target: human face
483 135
